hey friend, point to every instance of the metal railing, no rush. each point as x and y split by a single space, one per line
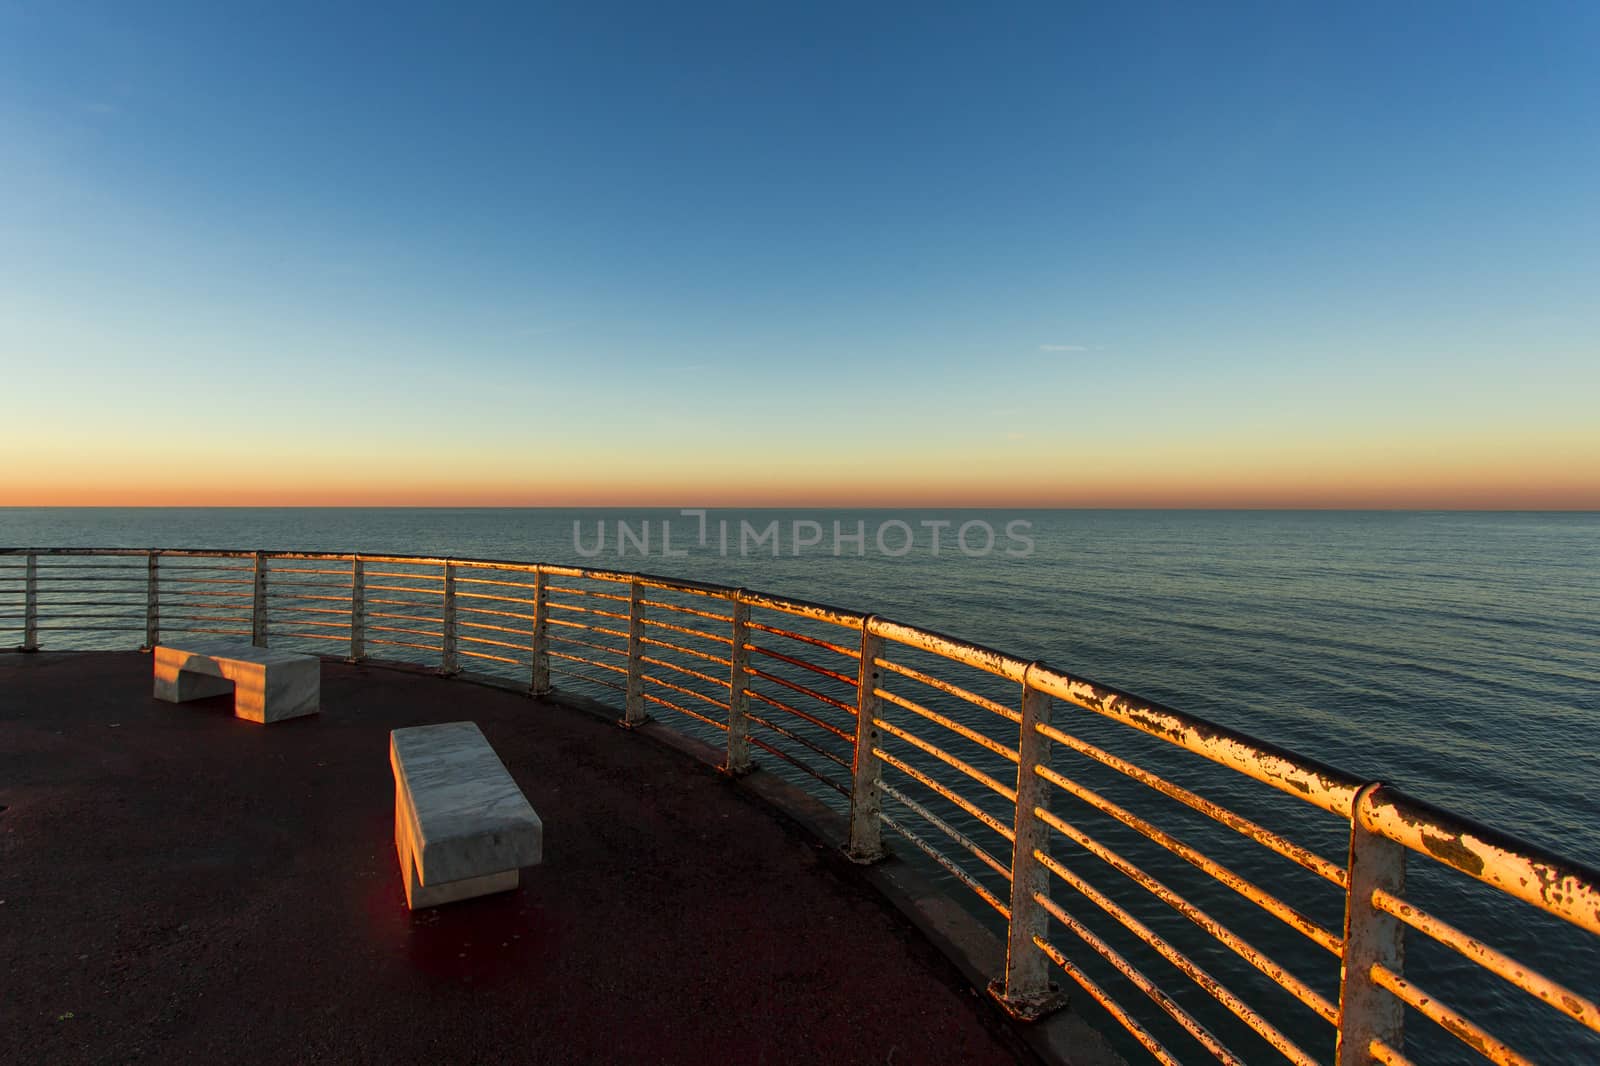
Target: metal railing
1030 788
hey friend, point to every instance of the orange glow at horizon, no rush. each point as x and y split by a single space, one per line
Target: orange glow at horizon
1459 481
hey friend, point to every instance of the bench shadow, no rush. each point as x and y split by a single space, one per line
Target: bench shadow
218 705
487 939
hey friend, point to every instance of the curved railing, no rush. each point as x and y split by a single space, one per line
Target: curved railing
1115 804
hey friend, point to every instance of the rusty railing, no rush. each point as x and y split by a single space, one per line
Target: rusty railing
1068 810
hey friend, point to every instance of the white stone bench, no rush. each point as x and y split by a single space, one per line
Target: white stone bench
267 686
462 827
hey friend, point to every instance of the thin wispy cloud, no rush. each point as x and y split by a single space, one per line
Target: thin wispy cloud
1063 347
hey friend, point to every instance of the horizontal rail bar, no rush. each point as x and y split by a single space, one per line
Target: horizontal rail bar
1306 779
696 715
795 686
595 593
810 771
277 584
168 578
401 588
1452 1021
1157 1050
681 609
1577 1007
818 642
773 701
1387 1055
403 629
574 641
487 612
953 648
1185 965
822 671
687 631
488 643
949 794
587 662
686 671
798 739
1009 713
686 691
492 598
492 658
980 739
1221 933
1566 889
486 627
464 580
1304 857
978 852
199 594
566 671
132 624
392 616
557 605
289 608
817 612
1198 859
168 617
127 568
403 603
90 586
948 759
1137 978
680 649
950 867
315 624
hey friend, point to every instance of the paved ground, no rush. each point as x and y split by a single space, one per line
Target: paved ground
180 885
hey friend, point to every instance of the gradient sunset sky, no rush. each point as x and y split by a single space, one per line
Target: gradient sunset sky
1275 254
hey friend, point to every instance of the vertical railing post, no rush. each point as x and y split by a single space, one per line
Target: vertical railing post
1025 990
30 603
358 610
258 603
866 777
738 690
447 661
1371 936
634 712
152 601
539 681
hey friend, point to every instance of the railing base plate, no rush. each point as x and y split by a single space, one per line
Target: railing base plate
866 858
1031 1008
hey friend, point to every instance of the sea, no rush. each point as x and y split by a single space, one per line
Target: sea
1455 654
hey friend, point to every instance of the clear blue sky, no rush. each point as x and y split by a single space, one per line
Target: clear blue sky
1038 243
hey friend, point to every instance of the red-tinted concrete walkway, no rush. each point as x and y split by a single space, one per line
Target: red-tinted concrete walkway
180 885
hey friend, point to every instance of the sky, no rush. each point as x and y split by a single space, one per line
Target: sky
1163 255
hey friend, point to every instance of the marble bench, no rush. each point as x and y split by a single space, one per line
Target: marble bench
462 827
267 686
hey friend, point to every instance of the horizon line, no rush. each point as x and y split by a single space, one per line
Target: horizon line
1377 508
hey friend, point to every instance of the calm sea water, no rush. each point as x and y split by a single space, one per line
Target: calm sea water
1455 654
